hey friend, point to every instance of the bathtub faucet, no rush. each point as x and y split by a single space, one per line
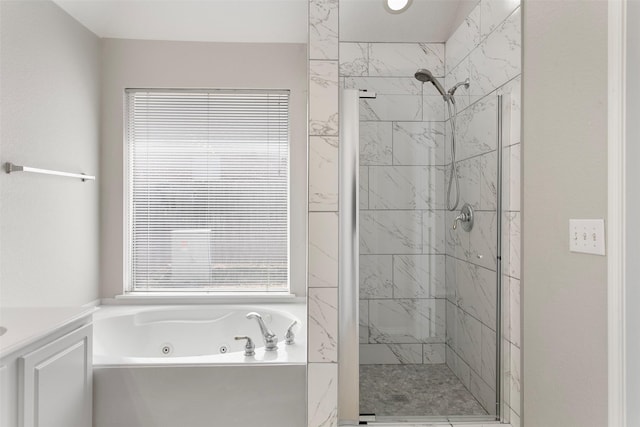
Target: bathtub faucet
270 339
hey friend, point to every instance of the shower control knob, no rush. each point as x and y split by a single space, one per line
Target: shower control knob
465 218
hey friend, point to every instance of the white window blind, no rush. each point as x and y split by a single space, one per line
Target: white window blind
208 190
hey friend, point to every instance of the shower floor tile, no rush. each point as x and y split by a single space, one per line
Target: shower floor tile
414 390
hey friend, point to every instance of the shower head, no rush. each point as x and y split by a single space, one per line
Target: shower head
465 83
451 91
425 75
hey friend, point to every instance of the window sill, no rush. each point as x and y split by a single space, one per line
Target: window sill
204 298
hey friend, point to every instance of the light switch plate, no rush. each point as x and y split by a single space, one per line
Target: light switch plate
587 236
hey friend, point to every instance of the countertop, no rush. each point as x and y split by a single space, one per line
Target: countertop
26 325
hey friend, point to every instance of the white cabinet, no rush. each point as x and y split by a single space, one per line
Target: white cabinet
55 382
46 371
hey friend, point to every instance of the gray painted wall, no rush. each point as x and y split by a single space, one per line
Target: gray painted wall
49 81
163 64
565 176
633 206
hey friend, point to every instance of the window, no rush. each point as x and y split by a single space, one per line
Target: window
208 202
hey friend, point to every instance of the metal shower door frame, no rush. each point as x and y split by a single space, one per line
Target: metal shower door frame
348 274
348 253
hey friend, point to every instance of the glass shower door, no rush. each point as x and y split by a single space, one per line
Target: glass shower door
428 294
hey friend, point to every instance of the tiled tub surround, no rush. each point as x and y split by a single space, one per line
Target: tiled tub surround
402 167
485 48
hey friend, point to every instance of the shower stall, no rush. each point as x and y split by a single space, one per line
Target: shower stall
429 137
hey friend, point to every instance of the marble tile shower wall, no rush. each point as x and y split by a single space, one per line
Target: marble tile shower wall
485 48
322 307
363 61
402 160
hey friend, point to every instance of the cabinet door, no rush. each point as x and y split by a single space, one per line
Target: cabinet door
8 395
56 382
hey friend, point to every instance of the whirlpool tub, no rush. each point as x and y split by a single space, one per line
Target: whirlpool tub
174 366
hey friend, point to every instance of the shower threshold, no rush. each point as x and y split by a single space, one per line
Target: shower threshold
399 421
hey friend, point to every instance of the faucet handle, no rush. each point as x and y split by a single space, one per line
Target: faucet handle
270 339
289 337
462 218
465 218
249 348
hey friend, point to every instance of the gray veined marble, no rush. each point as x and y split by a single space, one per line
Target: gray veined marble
323 394
513 110
323 324
464 39
354 59
485 393
433 353
406 187
476 129
323 98
433 232
385 85
514 380
455 363
514 244
390 354
390 232
494 12
375 143
514 418
363 182
451 341
376 272
433 107
407 321
488 356
450 277
418 143
323 173
489 176
323 249
511 178
323 29
404 59
419 276
391 108
468 338
482 240
497 58
435 187
469 175
363 321
514 310
476 292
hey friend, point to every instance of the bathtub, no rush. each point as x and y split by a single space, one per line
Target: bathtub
174 366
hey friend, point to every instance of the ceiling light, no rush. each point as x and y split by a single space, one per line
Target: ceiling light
396 6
